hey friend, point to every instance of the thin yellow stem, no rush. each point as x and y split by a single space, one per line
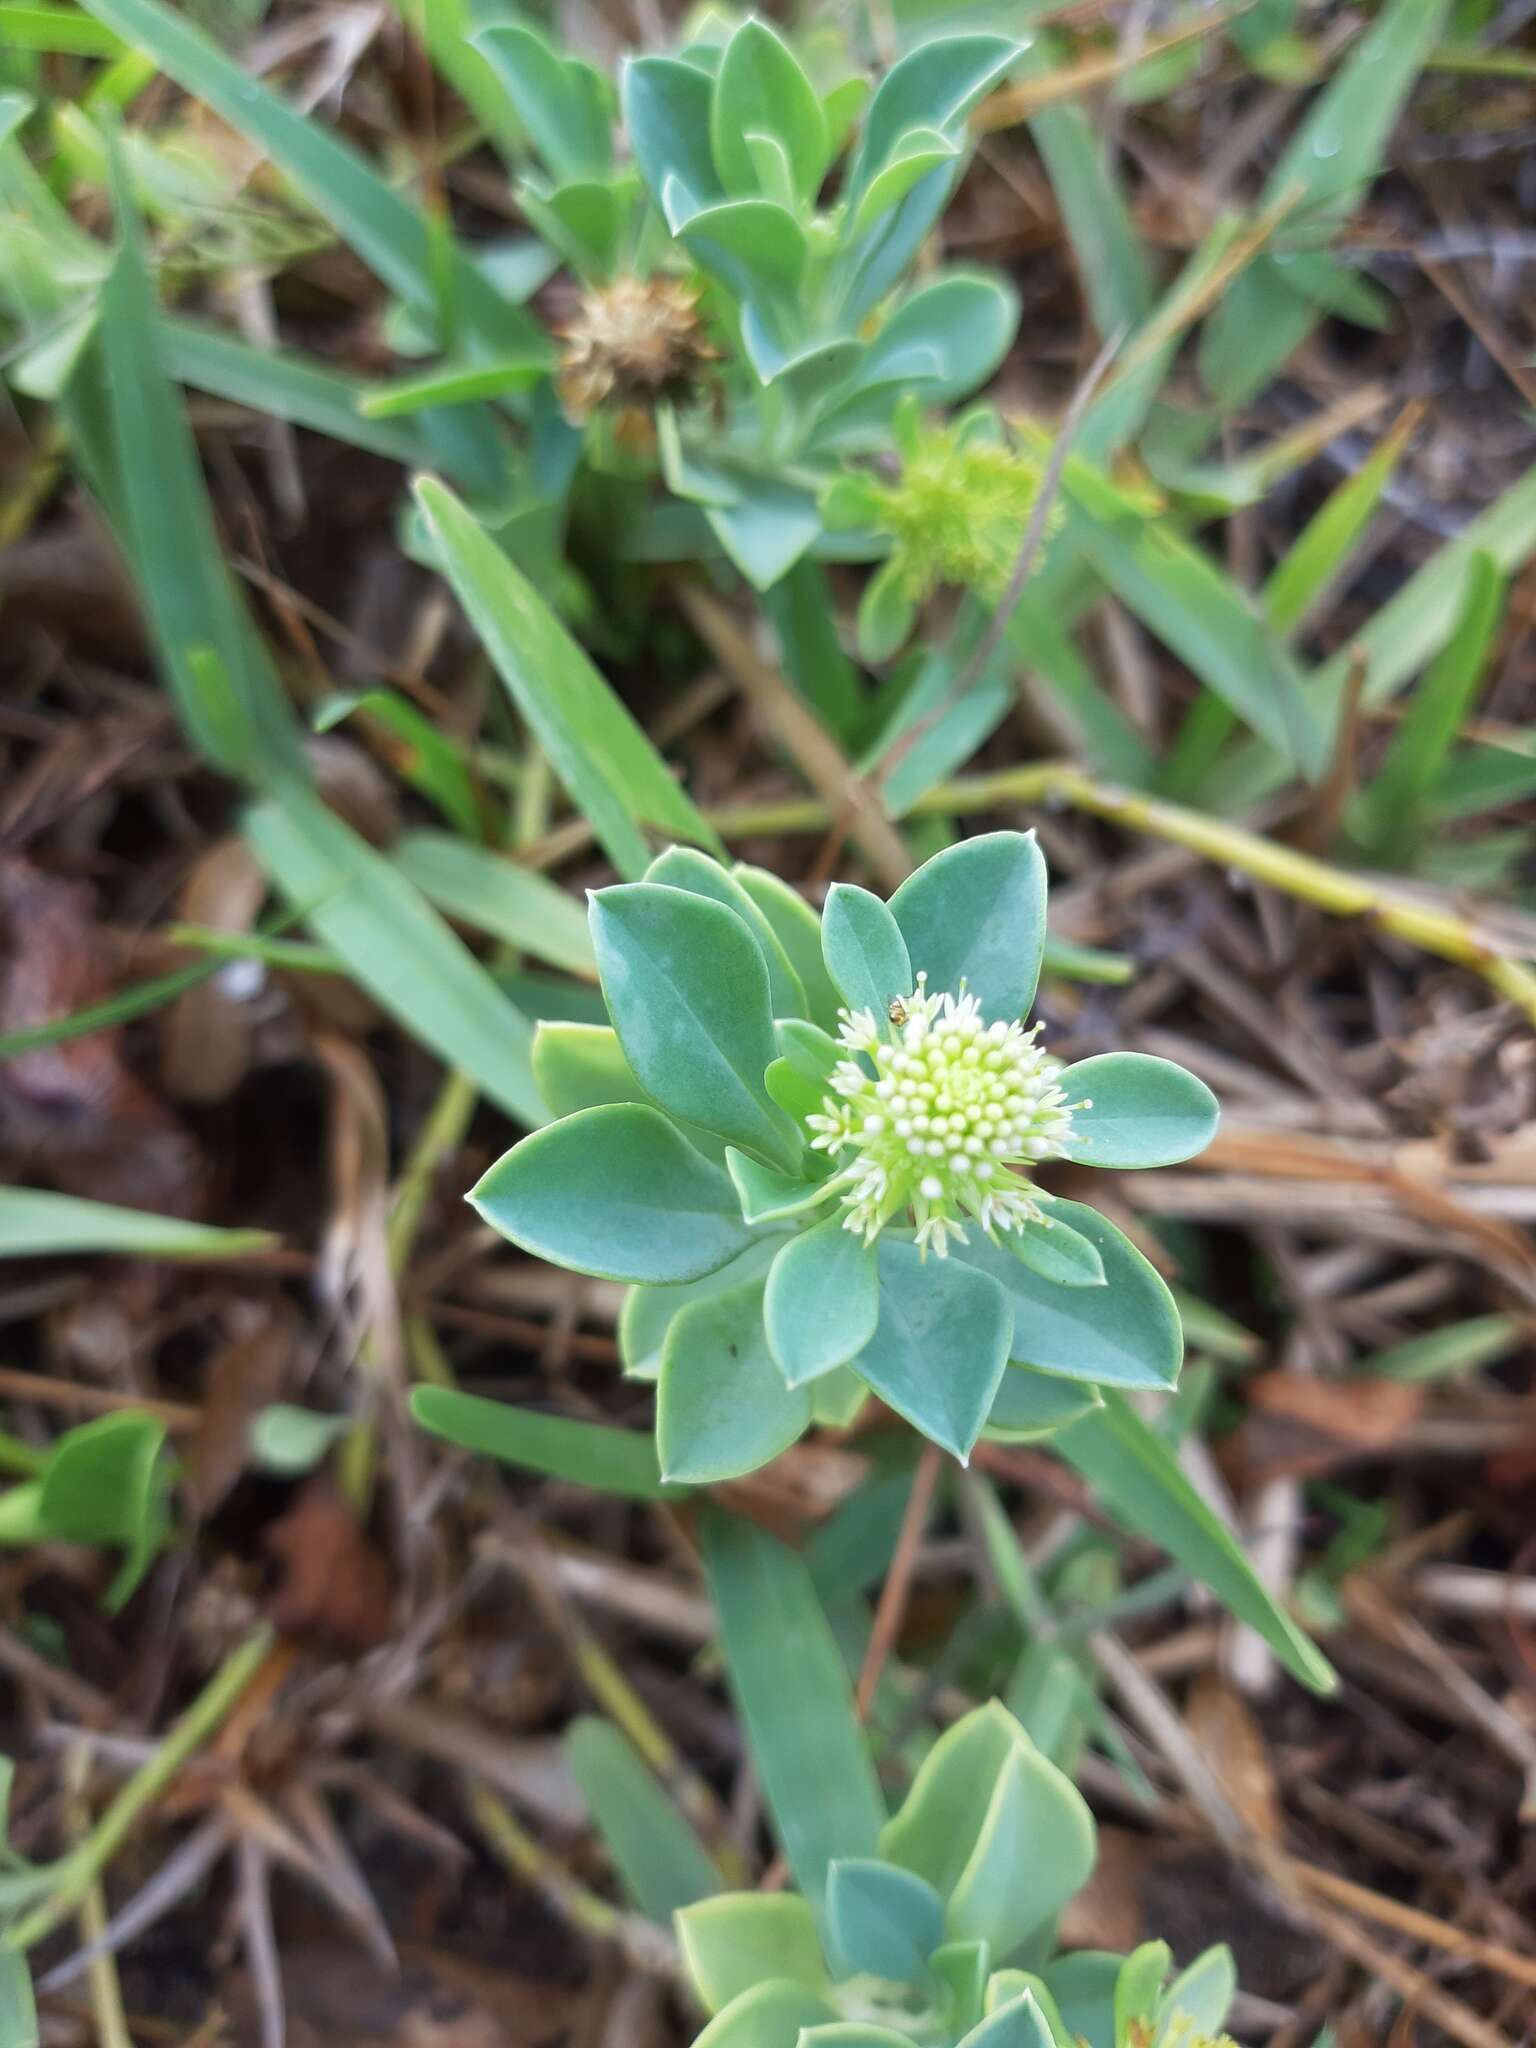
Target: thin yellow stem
1433 928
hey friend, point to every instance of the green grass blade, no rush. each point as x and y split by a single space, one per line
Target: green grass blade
34 1222
618 1461
396 946
1321 553
1392 811
285 387
661 1862
1181 596
793 1694
415 259
495 895
129 420
64 31
611 770
1138 1479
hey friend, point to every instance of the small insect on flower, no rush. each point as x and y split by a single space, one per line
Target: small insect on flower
954 1108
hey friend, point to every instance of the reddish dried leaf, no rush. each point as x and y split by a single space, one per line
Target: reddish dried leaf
336 1587
1232 1743
73 1110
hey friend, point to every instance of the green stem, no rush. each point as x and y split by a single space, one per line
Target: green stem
1338 891
77 1872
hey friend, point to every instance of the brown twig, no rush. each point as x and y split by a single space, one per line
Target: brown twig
894 1594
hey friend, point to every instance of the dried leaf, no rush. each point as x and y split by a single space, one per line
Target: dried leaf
205 1035
1232 1743
335 1586
72 1110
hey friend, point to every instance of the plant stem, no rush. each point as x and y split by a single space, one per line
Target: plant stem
1341 893
78 1871
642 1943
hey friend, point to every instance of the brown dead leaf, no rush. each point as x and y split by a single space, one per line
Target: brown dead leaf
243 1377
1299 1426
72 1110
1108 1911
205 1035
336 1587
1232 1743
800 1487
1365 1412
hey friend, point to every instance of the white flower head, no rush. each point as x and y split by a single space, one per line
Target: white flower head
954 1109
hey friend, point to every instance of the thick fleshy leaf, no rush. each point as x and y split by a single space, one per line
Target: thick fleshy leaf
762 91
940 1347
1057 1252
975 913
811 1756
1139 1986
1138 1479
853 2034
1124 1334
578 1066
756 249
666 110
559 100
687 990
722 1408
930 87
799 932
740 1939
942 1816
809 1050
615 1191
771 2015
961 1969
882 1921
648 1312
1035 1848
822 1303
1033 1405
1143 1111
1199 1998
864 950
1083 1986
1019 2024
838 1398
684 867
766 1195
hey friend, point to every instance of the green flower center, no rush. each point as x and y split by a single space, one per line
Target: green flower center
953 1108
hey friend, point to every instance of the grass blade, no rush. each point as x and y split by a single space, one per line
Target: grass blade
613 773
619 1461
495 895
1138 1479
810 1755
396 946
128 420
660 1860
415 259
1393 807
34 1221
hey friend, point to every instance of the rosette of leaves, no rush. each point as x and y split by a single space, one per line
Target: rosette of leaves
733 143
947 1934
806 1218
